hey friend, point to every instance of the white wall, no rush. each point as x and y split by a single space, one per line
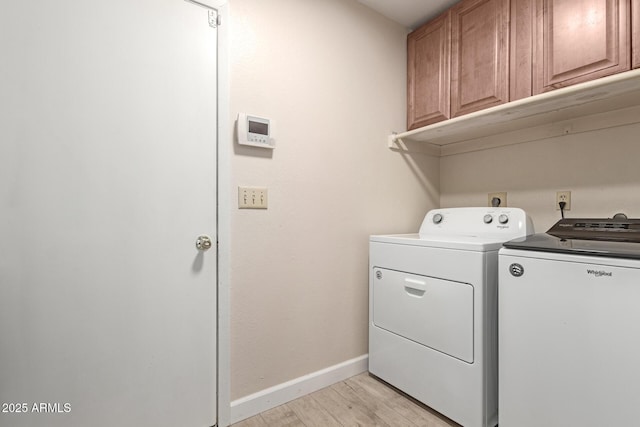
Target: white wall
600 168
331 74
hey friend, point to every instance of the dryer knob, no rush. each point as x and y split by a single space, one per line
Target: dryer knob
487 219
437 219
503 219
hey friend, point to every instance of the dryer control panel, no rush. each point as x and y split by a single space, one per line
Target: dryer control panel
506 223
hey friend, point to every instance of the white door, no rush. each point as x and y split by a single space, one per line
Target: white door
107 177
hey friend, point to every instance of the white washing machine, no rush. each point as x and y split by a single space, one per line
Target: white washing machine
569 328
433 309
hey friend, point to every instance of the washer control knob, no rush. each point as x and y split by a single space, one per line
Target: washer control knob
503 219
437 218
488 218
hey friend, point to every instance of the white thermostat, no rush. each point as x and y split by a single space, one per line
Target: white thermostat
255 131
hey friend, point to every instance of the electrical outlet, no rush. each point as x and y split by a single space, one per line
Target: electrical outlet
252 198
563 196
501 196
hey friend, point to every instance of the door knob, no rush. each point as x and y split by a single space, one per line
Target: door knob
203 243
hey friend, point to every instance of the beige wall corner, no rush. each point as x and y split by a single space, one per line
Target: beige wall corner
331 74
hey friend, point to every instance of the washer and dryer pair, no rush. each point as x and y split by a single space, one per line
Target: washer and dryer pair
433 309
569 318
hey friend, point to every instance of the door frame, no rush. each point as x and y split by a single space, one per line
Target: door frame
224 149
224 198
225 146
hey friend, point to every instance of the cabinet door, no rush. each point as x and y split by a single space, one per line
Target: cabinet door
521 49
479 55
577 41
428 57
635 37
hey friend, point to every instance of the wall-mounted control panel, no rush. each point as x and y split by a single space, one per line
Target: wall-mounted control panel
255 131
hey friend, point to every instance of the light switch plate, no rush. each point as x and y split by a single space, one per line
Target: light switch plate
252 198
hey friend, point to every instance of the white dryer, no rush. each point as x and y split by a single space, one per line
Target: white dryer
433 309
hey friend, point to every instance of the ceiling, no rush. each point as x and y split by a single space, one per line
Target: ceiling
409 13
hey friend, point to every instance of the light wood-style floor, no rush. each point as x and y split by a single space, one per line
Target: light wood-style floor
362 400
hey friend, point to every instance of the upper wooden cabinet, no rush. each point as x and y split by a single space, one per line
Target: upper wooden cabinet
428 62
635 33
479 55
483 53
577 41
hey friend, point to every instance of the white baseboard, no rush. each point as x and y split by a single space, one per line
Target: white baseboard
253 404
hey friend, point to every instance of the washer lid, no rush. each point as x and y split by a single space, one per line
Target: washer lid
545 242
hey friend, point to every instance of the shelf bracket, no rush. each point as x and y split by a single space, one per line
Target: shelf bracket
395 142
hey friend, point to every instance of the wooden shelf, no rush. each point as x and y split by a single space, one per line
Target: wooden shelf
562 111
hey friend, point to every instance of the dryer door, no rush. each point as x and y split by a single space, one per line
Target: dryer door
433 312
